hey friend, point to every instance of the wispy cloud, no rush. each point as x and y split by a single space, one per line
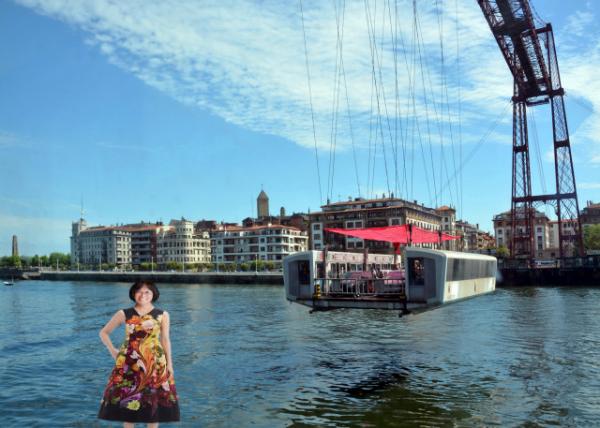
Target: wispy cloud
585 185
245 61
8 139
126 147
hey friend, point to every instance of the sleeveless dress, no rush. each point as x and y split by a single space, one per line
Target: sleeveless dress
140 388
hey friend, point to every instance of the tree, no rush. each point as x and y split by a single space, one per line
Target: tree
269 265
502 252
174 266
591 237
145 266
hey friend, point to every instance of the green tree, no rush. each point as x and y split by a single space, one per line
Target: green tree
174 266
10 262
35 261
502 252
269 265
145 266
591 237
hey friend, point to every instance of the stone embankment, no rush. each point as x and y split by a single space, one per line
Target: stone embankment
275 278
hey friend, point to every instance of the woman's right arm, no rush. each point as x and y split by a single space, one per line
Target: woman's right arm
115 321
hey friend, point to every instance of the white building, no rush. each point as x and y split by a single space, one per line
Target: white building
448 225
99 245
235 244
180 243
541 232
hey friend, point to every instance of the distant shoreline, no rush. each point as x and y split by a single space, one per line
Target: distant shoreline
267 278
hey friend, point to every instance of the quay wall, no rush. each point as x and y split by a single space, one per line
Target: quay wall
549 276
268 278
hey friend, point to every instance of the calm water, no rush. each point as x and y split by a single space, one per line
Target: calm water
245 357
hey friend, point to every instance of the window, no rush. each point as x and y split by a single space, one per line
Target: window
317 236
462 269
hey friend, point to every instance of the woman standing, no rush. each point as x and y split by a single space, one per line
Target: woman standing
141 387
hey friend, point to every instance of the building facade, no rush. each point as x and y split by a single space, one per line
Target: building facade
238 244
144 242
95 246
359 213
590 214
448 225
181 243
541 234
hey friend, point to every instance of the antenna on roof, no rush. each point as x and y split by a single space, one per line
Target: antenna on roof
81 211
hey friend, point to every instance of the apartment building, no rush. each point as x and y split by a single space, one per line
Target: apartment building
94 246
181 243
359 213
238 244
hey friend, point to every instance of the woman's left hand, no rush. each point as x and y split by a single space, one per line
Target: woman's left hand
170 368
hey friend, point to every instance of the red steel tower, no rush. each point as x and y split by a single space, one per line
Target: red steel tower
531 57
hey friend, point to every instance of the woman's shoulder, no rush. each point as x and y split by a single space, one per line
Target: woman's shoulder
129 312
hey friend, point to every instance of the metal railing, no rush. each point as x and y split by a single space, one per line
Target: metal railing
360 287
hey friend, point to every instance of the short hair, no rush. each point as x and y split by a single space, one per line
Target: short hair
139 284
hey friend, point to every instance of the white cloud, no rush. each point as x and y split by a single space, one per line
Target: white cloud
588 185
245 61
128 147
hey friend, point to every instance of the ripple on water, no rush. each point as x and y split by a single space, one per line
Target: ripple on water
244 356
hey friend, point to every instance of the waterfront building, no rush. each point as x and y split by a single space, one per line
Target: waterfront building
144 242
568 228
99 245
448 225
473 239
359 213
590 214
503 226
181 243
271 242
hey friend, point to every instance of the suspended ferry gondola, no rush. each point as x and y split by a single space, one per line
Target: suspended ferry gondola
419 279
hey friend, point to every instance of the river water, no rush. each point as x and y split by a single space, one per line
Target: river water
244 356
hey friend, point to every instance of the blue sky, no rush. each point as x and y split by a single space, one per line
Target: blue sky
158 110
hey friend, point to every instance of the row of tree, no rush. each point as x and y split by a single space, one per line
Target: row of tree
54 260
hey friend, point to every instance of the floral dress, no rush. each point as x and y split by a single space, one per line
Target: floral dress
140 388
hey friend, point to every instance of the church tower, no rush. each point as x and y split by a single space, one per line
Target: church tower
262 205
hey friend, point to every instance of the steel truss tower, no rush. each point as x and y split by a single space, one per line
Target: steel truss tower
531 57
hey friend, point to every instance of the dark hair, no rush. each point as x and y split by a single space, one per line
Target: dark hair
139 284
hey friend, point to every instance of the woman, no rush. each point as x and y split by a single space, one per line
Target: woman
141 387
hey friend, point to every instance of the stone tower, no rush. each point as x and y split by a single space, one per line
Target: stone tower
262 205
15 246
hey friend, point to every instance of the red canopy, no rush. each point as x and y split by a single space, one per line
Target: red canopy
404 234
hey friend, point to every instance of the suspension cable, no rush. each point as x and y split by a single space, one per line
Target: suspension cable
312 114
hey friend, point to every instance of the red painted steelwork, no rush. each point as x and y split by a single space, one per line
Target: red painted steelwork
530 54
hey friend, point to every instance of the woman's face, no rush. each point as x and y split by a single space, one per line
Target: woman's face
143 296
